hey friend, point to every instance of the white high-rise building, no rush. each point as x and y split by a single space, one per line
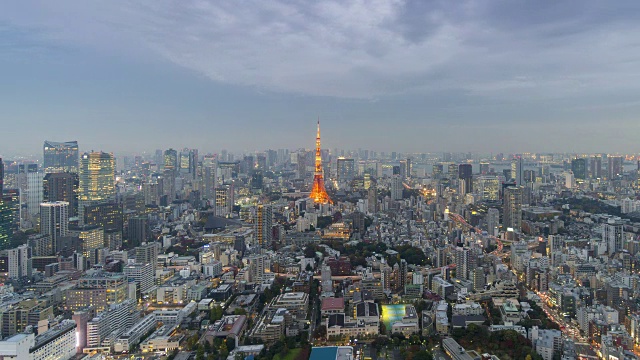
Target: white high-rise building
20 263
223 204
257 265
569 180
54 222
396 187
29 181
142 274
613 235
118 318
493 221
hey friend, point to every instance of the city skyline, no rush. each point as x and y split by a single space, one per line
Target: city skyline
492 77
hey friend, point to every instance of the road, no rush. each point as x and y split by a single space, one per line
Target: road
440 355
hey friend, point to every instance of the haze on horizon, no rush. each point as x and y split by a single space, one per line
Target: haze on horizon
414 76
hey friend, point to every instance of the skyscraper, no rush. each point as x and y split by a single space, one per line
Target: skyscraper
60 156
579 168
30 186
61 187
97 177
512 208
96 180
262 224
489 187
209 166
615 167
493 221
54 222
346 170
1 178
318 192
465 262
171 160
595 169
405 168
516 170
138 231
396 187
20 263
147 253
223 200
465 174
189 162
613 235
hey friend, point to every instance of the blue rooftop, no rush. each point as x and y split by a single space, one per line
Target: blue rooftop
324 353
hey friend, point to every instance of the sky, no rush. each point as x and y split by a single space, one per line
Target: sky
402 75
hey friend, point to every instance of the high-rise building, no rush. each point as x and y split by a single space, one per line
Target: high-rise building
137 230
60 156
1 179
171 160
96 180
54 222
6 224
262 224
396 187
257 265
92 240
441 257
147 253
318 191
30 185
20 262
488 187
61 187
223 200
493 221
465 174
189 162
615 167
108 215
595 168
613 236
117 318
405 168
484 168
579 168
346 170
512 208
437 171
402 275
209 167
141 274
465 262
517 170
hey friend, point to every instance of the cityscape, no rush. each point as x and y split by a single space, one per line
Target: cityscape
327 180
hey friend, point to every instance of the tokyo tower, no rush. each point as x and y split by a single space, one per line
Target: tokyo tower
318 192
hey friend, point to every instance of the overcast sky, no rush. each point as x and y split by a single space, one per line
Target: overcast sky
482 76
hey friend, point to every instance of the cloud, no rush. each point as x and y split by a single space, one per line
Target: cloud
538 50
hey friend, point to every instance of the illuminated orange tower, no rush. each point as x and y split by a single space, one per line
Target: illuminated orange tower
318 192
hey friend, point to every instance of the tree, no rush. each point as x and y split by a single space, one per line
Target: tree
216 313
239 311
309 267
309 252
320 332
423 355
200 353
